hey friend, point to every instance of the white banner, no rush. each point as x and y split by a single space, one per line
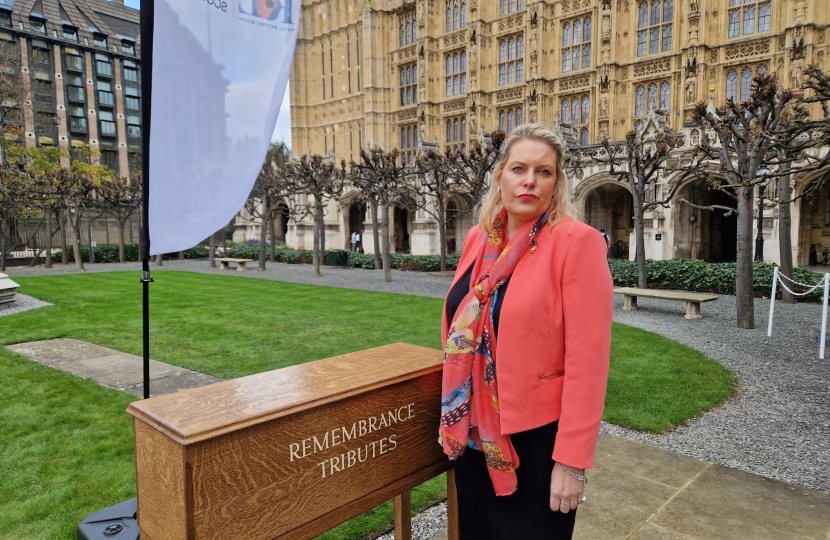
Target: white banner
220 68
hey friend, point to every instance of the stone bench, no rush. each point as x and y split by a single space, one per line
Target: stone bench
8 289
692 300
240 263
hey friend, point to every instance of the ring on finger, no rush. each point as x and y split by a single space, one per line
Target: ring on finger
583 499
566 504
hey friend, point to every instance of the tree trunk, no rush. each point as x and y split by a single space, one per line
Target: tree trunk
387 262
160 259
212 251
49 234
89 237
442 233
273 245
376 234
322 230
640 248
181 255
64 224
316 255
73 220
122 257
263 237
744 292
3 253
785 238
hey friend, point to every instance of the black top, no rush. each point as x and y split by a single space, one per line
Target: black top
461 289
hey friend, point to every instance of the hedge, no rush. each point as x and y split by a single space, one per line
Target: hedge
109 253
696 275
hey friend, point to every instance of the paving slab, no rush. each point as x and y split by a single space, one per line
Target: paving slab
111 368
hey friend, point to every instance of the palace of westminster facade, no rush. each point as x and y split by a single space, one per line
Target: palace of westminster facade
394 73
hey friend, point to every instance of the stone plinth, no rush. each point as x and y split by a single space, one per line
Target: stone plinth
8 289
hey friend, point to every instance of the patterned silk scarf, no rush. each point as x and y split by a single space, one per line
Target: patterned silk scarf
469 393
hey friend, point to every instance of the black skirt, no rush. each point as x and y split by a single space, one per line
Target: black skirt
524 515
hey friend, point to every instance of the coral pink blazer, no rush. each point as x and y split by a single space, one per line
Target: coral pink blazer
554 338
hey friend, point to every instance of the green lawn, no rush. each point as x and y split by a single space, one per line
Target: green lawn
67 447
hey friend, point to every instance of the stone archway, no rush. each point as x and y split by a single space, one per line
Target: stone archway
704 234
401 226
813 221
607 204
279 224
459 221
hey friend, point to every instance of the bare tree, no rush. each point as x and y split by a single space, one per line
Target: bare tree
18 199
272 184
640 161
121 198
380 177
318 177
474 167
742 137
431 189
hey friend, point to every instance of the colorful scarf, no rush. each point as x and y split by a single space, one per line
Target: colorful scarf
470 397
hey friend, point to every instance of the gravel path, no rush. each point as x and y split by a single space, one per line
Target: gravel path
776 425
21 303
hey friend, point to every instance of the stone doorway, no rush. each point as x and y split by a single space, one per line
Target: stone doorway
611 207
705 234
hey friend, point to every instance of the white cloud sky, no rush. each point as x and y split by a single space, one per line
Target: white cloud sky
282 131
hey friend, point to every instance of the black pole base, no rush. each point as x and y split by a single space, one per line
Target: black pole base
114 523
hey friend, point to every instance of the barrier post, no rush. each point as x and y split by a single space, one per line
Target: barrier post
772 300
824 316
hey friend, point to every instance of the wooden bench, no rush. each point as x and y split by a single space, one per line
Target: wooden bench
692 300
240 263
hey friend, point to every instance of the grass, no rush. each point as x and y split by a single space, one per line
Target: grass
67 442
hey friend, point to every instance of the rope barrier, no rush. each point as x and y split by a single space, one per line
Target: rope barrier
825 281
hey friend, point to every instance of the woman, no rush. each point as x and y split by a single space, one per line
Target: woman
527 328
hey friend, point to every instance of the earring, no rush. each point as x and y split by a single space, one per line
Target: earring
498 190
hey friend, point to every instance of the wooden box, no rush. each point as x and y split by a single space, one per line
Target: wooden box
288 453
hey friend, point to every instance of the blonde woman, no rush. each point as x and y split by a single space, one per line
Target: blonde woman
527 332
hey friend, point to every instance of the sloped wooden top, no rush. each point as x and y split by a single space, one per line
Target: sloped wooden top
666 295
201 413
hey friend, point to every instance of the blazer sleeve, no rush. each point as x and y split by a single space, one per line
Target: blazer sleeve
587 303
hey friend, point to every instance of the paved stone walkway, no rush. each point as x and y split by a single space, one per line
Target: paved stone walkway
109 367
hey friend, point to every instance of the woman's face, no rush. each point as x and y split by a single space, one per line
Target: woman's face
528 180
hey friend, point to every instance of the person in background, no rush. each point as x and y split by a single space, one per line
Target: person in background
527 333
354 240
607 242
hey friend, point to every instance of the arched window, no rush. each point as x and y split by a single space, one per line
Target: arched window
586 30
415 135
583 137
463 148
576 44
401 38
510 125
403 138
455 18
640 101
455 130
408 30
408 75
762 69
520 70
566 35
402 79
732 85
503 7
746 84
501 121
449 130
463 15
577 38
455 63
511 49
566 114
408 137
639 125
449 65
664 96
449 19
652 96
455 85
520 117
463 61
654 29
575 111
414 31
586 109
463 129
502 51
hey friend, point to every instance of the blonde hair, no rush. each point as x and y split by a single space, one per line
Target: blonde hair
562 206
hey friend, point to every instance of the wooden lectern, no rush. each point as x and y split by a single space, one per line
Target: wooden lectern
291 453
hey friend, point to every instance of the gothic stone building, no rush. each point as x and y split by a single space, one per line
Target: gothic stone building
393 73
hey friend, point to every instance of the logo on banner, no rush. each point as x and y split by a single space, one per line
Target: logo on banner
268 10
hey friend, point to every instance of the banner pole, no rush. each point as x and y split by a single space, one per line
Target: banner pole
824 316
772 300
147 13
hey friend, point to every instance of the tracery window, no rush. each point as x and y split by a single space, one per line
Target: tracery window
748 16
511 6
654 26
511 60
739 82
456 130
409 84
511 118
576 111
456 73
647 97
456 15
576 44
407 29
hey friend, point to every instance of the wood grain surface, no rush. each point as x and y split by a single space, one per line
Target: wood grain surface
403 516
200 413
289 455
